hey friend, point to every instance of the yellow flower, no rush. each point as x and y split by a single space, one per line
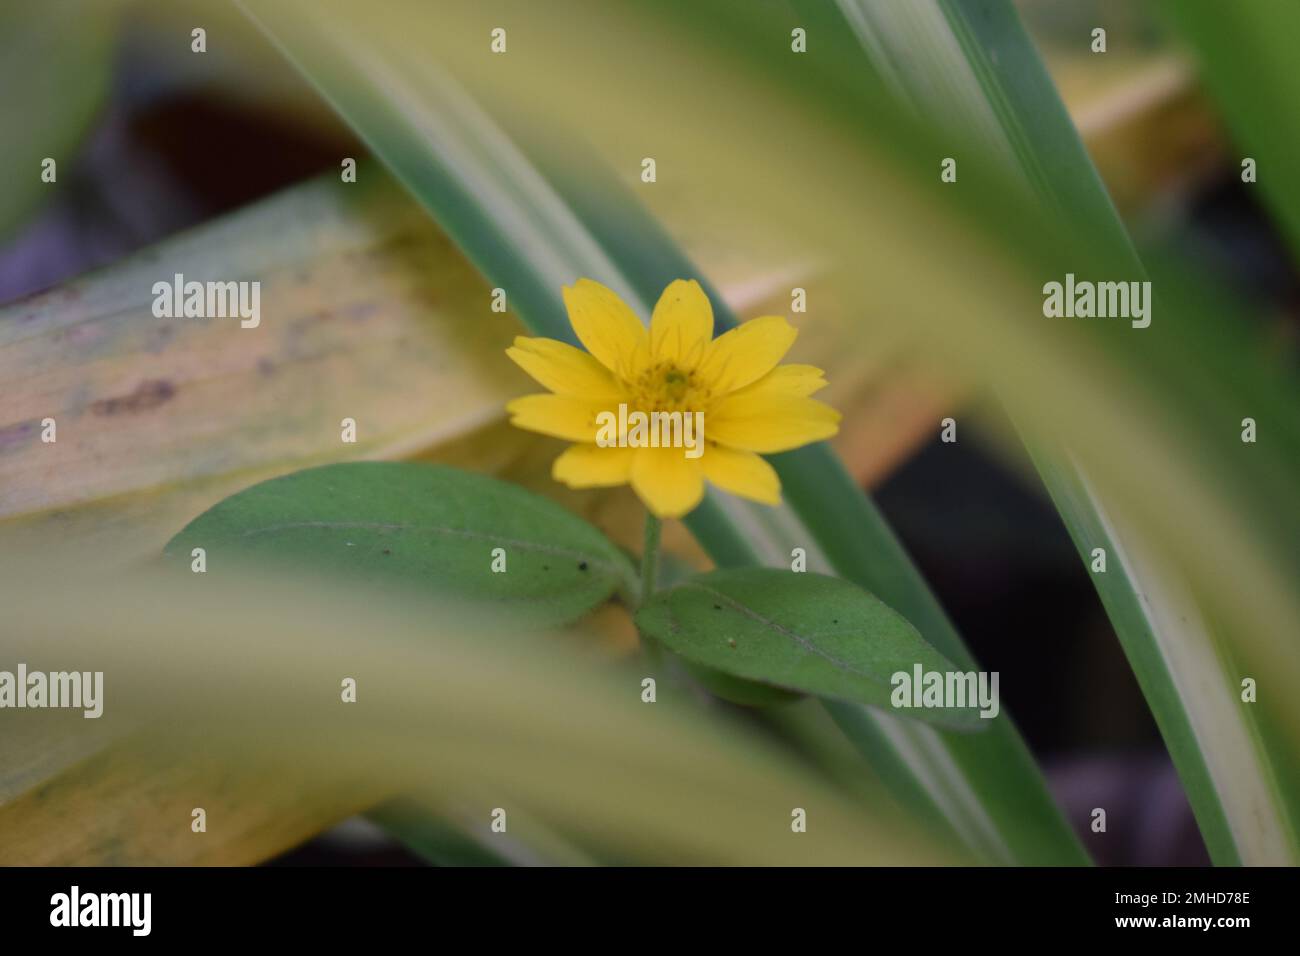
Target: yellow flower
750 404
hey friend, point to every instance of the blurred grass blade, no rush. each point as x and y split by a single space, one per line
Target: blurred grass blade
984 84
57 53
445 837
129 804
433 838
1247 56
1184 674
532 225
973 62
454 708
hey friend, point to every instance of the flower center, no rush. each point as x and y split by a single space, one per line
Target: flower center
664 387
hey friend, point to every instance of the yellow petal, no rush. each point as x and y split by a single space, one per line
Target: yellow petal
789 381
590 466
767 424
607 327
563 368
682 324
562 416
746 353
742 473
667 481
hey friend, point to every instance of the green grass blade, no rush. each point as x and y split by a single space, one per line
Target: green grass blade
1012 115
433 838
1247 53
1216 746
58 53
444 837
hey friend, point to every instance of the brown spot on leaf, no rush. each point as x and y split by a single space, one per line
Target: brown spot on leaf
148 394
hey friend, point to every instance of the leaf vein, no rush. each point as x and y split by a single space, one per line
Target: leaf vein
537 546
794 636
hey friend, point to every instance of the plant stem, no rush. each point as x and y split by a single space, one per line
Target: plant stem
649 574
649 557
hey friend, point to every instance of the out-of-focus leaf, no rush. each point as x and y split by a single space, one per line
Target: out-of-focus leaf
430 528
447 837
367 313
450 709
1184 673
1246 55
131 804
54 71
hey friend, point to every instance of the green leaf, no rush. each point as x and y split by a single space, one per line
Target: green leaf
806 632
738 690
429 527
